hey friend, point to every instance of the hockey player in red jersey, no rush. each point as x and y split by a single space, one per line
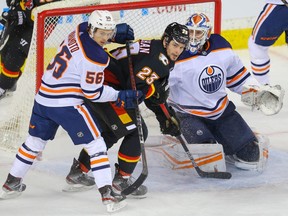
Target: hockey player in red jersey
75 73
152 62
198 94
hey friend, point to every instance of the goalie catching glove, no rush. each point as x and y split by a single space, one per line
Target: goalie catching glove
268 99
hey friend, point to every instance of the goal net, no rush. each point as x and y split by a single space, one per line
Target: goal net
54 21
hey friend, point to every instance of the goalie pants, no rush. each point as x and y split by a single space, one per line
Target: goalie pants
230 130
78 121
117 123
14 54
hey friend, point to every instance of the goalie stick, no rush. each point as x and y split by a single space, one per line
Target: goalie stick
201 173
139 181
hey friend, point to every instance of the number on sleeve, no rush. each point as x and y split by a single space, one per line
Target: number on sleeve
60 62
94 77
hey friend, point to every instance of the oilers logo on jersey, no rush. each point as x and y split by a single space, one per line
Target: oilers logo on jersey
211 79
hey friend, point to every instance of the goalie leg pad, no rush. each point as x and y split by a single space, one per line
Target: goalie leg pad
210 157
259 165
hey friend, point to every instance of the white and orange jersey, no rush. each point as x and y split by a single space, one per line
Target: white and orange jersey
277 2
198 82
76 72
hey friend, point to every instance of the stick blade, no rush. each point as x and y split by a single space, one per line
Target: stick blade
218 175
139 181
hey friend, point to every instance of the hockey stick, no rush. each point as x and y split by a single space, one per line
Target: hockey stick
285 3
201 173
144 172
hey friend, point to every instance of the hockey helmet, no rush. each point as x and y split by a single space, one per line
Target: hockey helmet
101 19
177 32
199 31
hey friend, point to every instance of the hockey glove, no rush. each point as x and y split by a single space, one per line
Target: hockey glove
123 33
268 99
127 99
14 17
161 94
169 126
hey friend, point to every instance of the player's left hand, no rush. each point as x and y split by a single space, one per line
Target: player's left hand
124 33
161 92
127 99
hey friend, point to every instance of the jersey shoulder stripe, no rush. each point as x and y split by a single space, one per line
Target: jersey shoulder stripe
91 50
215 43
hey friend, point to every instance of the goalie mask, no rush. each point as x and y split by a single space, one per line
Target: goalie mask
100 19
199 31
176 32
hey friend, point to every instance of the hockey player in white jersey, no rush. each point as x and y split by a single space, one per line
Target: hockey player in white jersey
198 94
75 73
270 24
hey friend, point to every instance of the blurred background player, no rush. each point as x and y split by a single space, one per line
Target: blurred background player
270 24
198 94
152 62
75 73
15 42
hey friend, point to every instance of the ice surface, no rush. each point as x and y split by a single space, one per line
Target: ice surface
170 192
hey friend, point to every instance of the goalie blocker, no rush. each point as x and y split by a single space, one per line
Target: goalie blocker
210 157
268 99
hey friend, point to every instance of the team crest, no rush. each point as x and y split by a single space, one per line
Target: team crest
114 127
28 4
80 134
163 59
211 79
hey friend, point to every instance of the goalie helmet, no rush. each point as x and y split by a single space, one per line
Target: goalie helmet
176 32
100 19
199 31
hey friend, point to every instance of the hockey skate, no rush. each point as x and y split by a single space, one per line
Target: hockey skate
112 200
77 180
8 92
122 182
13 187
2 93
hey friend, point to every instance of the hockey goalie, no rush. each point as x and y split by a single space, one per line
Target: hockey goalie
215 132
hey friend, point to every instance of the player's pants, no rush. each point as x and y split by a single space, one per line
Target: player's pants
230 130
81 126
271 23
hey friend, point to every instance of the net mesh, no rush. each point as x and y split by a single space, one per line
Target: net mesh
147 23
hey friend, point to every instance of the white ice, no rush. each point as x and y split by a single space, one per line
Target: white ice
170 192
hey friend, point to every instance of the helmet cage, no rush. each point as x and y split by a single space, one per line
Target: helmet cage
199 31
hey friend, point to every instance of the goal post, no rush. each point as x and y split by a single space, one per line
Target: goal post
54 21
121 7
